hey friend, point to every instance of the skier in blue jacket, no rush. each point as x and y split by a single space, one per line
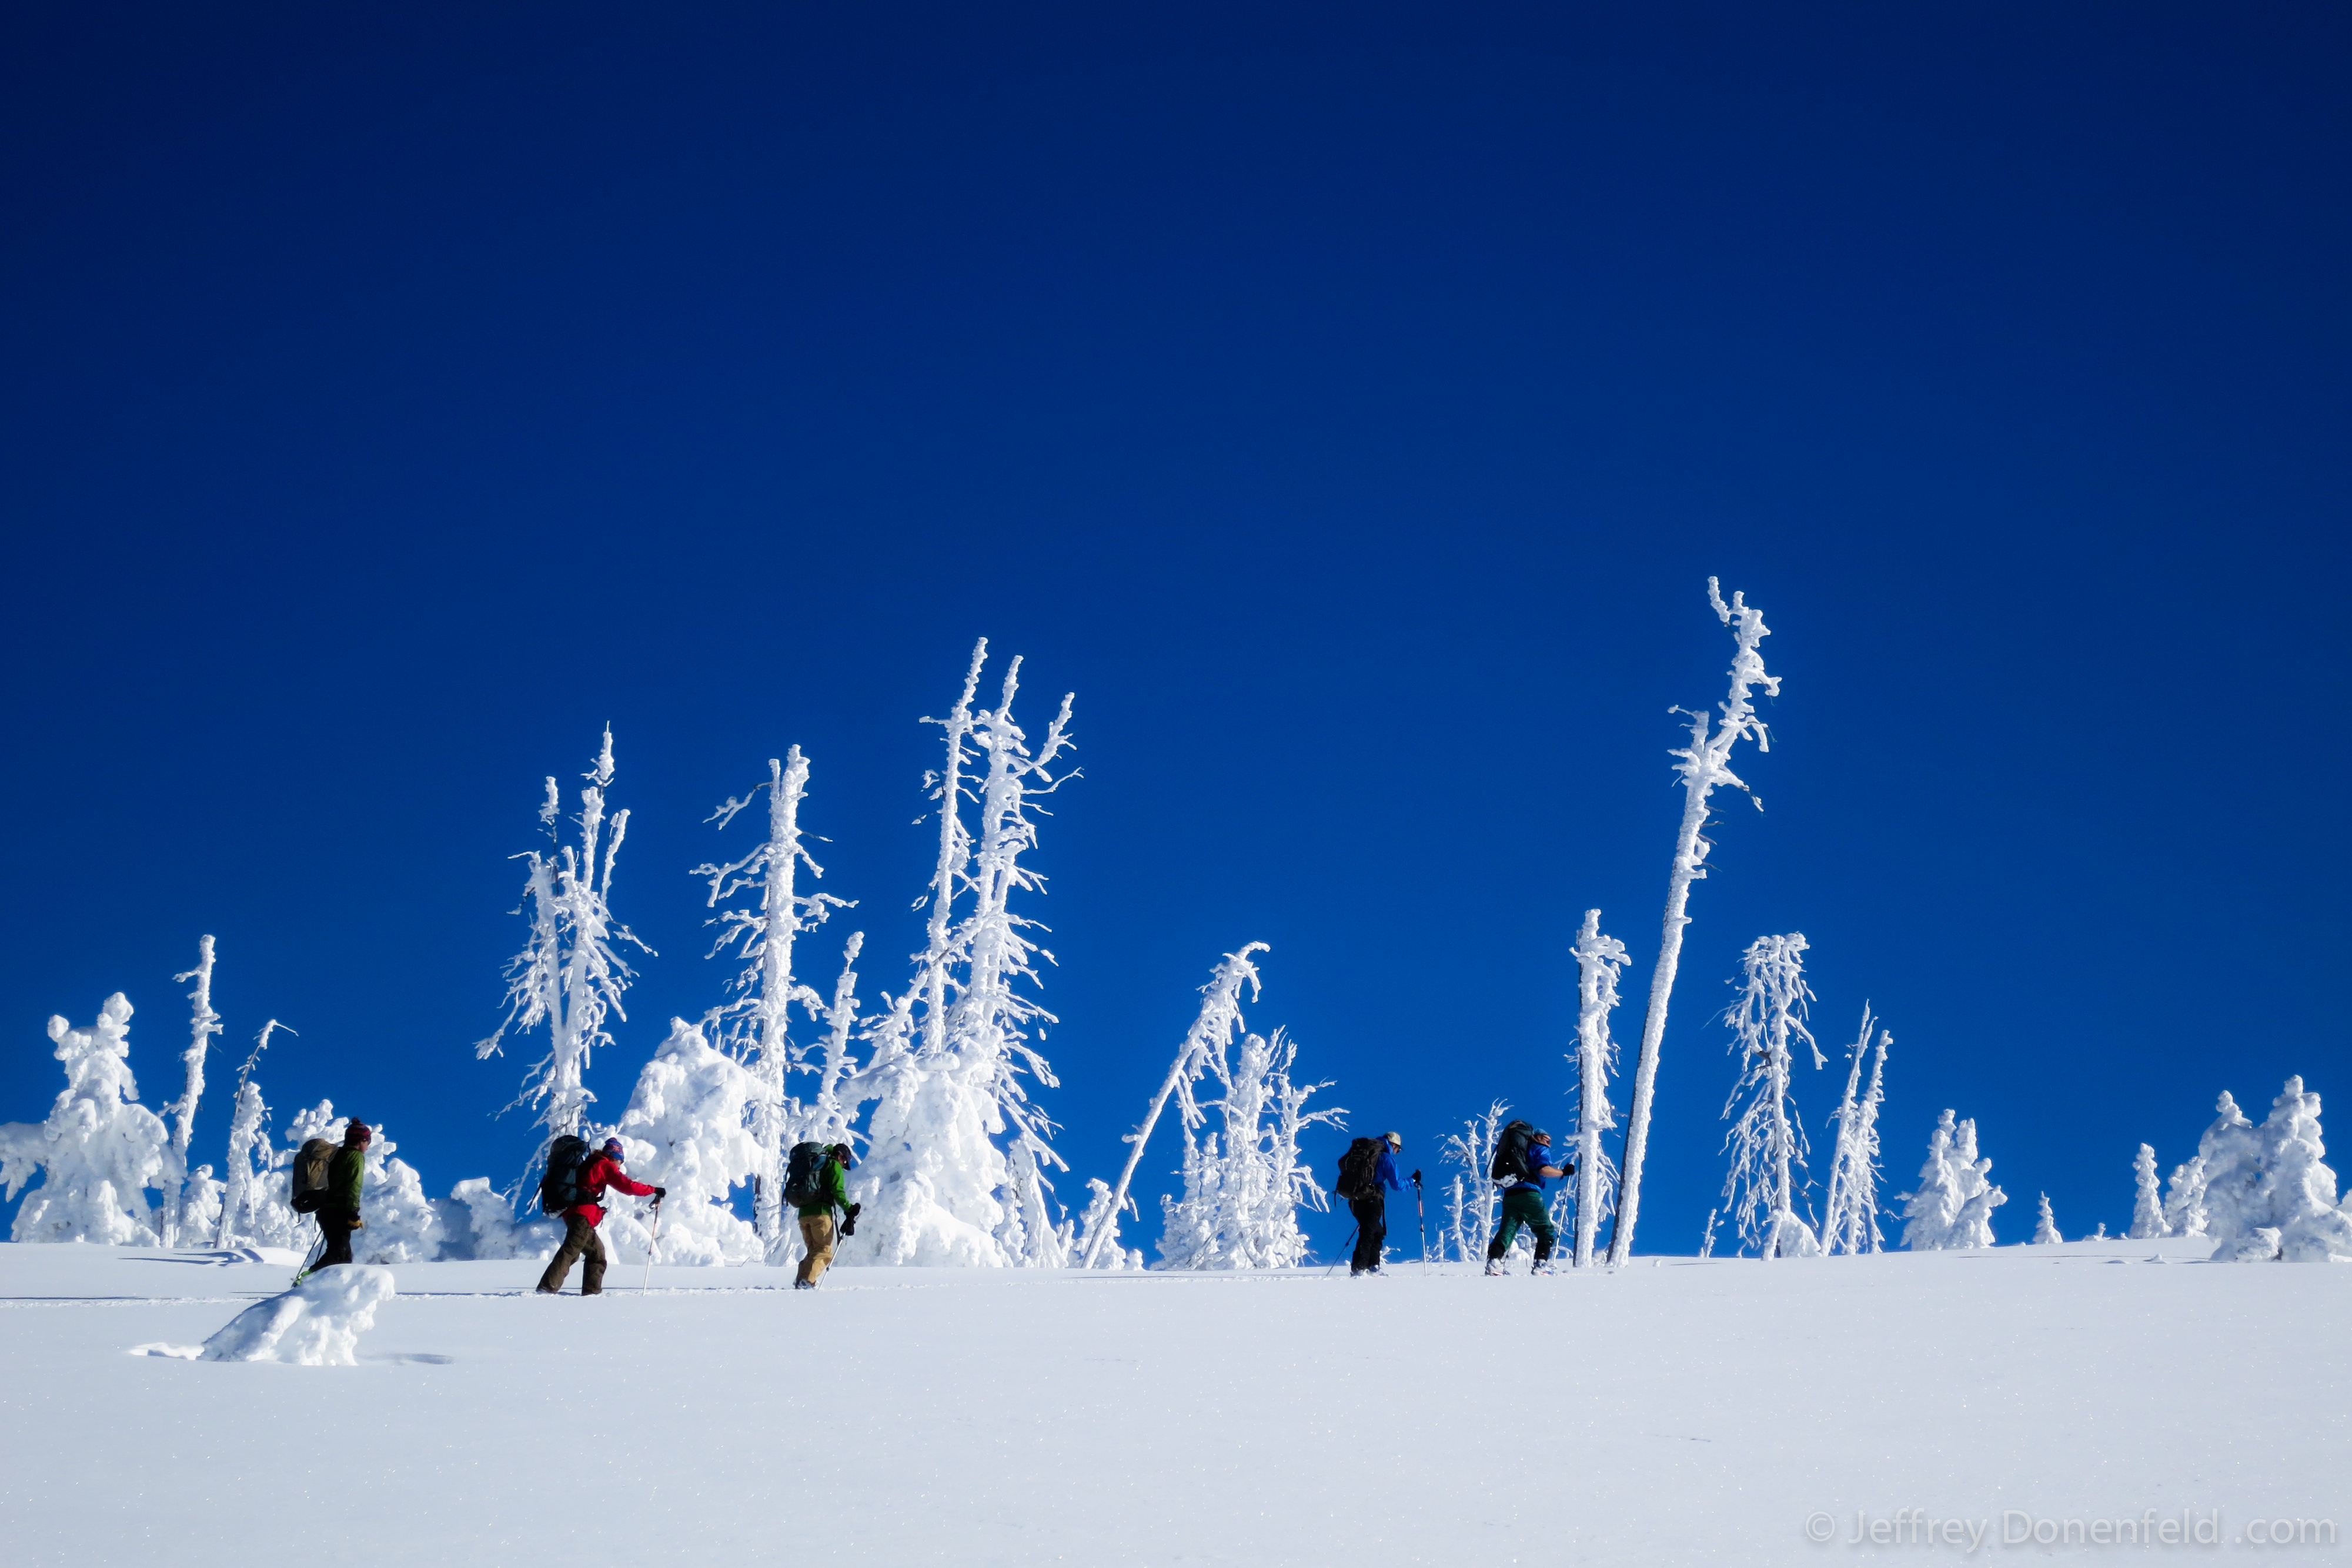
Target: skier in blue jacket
1372 1213
1523 1204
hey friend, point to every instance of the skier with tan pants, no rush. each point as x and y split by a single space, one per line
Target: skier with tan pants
813 1184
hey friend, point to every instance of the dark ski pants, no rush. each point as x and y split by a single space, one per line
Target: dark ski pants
580 1241
1372 1230
338 1232
1525 1205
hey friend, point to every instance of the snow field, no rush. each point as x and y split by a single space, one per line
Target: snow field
1667 1412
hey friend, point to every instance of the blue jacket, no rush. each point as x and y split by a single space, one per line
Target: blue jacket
1386 1171
1541 1156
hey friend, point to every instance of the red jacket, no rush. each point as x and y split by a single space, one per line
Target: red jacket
602 1172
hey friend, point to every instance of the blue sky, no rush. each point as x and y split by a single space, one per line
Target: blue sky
1348 404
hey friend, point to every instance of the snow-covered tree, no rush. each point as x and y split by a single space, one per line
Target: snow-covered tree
1767 1141
99 1149
1705 764
1209 1038
2184 1198
685 1130
2270 1194
1598 961
243 1213
1244 1183
938 1188
178 1222
1473 1149
756 1025
2147 1209
1953 1205
570 977
1850 1213
2045 1227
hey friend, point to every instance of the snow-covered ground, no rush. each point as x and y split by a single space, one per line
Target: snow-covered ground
1675 1411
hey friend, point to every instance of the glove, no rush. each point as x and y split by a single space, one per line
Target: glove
854 1209
1568 1169
849 1224
660 1193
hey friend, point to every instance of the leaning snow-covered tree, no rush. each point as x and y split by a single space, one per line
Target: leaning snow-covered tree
2045 1227
2147 1209
98 1152
1598 961
1767 1141
756 1025
570 977
178 1221
1705 764
938 1187
1850 1213
1245 1183
1953 1205
245 1212
1209 1038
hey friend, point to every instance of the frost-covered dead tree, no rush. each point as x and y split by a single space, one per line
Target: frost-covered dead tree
826 1116
1768 1141
98 1152
205 1024
1244 1184
1473 1149
1849 1215
571 977
2147 1209
1211 1036
248 1129
1458 1221
756 1025
1598 961
1705 763
950 1077
2045 1227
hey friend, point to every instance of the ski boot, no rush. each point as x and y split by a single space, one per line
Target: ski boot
1495 1266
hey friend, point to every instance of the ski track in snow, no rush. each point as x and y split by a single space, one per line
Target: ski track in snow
1669 1412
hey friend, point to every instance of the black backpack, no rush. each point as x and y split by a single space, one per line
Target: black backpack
1510 1166
309 1182
805 1174
560 1188
1359 1170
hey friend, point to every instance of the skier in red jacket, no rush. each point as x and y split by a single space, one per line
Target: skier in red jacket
579 1221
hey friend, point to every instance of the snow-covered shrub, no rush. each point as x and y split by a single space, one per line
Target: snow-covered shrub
317 1324
1705 765
1242 1191
1212 1034
493 1231
2045 1227
2271 1195
1600 959
1767 1141
99 1150
1953 1205
1850 1212
2147 1209
684 1130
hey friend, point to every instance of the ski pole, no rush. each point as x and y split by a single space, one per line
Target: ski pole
648 1280
1421 1216
1349 1244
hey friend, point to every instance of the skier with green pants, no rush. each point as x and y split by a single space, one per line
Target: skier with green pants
1523 1204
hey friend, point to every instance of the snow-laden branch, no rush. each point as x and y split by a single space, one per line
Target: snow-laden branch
1704 764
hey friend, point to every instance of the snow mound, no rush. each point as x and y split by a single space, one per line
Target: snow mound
317 1324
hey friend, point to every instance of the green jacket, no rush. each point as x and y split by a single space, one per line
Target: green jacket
832 1192
345 1175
